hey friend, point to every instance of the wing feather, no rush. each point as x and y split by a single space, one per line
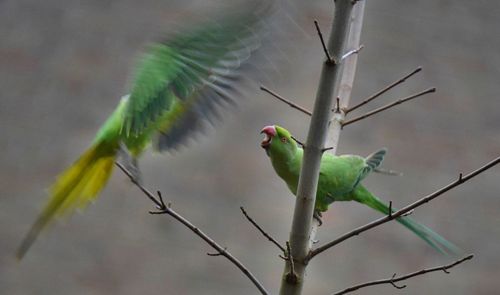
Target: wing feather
198 65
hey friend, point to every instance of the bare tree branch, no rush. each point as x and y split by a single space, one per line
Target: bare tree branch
406 210
329 58
395 279
343 96
269 237
346 28
384 90
166 209
388 106
288 102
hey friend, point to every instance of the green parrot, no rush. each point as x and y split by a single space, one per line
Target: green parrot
339 180
178 83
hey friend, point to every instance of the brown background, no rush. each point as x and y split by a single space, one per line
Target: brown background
64 64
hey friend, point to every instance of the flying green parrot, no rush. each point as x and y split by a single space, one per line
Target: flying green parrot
339 180
178 84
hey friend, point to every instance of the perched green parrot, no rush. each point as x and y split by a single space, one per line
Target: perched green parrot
339 180
178 84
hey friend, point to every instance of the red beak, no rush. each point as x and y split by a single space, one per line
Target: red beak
270 132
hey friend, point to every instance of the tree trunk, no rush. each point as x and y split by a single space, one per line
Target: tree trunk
332 81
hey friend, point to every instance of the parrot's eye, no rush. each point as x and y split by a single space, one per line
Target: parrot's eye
284 140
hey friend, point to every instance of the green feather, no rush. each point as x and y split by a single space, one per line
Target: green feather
340 180
176 82
196 68
437 242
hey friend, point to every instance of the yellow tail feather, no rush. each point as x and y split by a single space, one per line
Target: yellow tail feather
74 189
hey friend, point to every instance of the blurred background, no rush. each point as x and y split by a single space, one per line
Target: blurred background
64 65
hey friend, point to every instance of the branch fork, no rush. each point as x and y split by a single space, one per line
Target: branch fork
393 283
329 59
166 209
291 277
218 253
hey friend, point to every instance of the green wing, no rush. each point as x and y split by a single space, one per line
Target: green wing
372 162
199 67
149 96
339 174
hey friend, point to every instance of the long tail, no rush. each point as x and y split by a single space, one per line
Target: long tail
436 241
74 189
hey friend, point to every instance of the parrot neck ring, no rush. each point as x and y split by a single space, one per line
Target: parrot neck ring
269 132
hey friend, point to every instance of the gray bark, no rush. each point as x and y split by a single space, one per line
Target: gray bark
332 81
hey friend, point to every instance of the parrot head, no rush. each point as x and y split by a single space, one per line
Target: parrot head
278 142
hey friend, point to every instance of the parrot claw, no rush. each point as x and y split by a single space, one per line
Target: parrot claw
131 164
133 167
317 215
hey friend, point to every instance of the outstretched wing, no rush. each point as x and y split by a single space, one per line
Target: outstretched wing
198 67
372 162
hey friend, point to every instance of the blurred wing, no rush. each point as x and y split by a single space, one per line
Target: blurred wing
149 96
199 67
372 162
188 117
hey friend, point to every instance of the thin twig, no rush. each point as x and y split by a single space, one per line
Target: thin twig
351 52
168 210
408 213
409 208
336 108
269 237
160 197
288 102
299 142
291 277
392 282
395 279
218 253
327 148
159 204
378 110
325 49
384 90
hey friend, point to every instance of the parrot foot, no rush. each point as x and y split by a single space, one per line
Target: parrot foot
317 215
131 164
133 167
